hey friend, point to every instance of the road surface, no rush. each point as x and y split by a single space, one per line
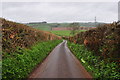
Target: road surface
60 63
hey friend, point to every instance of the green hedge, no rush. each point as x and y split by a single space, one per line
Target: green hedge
97 67
18 65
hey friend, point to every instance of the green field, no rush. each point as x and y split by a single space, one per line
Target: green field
45 27
64 32
61 33
48 26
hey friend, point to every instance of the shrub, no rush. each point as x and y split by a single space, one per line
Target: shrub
104 41
16 34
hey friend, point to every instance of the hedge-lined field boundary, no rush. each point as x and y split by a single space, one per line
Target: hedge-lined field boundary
104 41
20 35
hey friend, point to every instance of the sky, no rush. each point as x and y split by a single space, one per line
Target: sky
25 12
60 0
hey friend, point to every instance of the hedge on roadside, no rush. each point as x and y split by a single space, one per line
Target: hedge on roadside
97 67
20 64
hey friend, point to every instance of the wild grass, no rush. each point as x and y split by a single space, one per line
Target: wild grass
97 67
19 64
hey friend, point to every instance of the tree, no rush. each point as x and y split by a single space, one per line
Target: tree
74 27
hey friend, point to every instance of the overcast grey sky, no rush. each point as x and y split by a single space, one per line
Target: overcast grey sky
60 11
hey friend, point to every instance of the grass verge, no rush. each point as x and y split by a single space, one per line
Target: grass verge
98 68
19 65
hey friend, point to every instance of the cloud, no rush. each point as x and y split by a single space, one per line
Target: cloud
60 0
60 11
0 9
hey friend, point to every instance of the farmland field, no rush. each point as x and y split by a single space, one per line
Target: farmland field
44 27
48 26
64 32
61 33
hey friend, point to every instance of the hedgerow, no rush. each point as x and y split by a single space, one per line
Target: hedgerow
104 41
16 34
97 67
19 64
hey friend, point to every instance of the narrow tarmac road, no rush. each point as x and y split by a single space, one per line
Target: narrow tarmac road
60 63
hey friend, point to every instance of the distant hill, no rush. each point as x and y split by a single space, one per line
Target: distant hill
48 26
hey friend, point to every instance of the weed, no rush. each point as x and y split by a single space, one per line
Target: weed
23 61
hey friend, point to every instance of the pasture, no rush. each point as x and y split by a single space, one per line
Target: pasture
65 32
